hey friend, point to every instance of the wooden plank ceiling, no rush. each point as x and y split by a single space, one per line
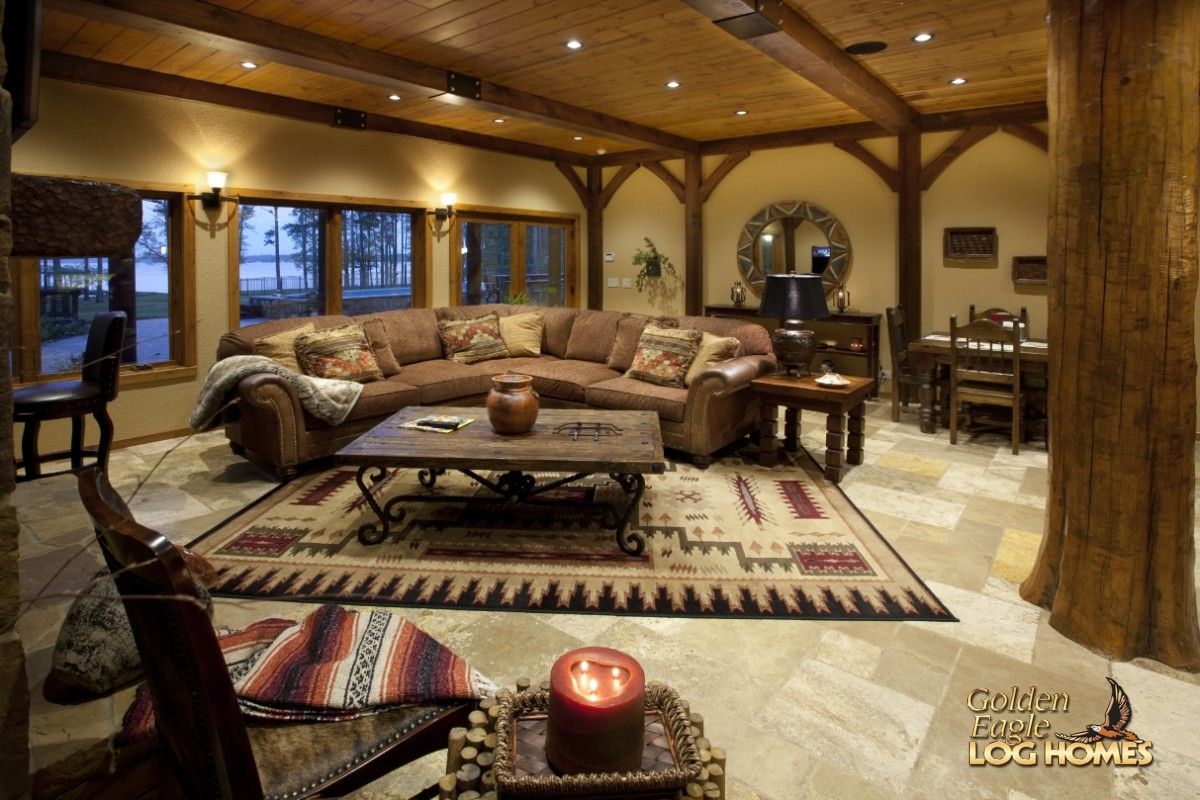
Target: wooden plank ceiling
631 48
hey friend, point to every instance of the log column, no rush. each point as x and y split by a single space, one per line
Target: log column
1115 566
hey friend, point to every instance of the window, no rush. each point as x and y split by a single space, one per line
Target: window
310 257
57 299
505 257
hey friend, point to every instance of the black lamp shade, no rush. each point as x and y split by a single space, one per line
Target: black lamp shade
794 296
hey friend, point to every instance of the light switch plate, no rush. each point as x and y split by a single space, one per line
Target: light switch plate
608 256
627 283
613 283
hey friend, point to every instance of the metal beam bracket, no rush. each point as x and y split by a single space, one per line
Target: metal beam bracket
464 85
349 118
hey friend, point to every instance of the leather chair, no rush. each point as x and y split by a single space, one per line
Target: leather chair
91 394
905 377
206 749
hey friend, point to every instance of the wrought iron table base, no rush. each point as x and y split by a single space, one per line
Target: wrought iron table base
511 486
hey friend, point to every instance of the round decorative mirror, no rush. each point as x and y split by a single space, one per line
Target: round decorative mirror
793 236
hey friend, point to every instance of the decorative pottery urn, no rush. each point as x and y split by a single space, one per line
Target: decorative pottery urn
737 293
512 404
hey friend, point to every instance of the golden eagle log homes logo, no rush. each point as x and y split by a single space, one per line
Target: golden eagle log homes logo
1017 727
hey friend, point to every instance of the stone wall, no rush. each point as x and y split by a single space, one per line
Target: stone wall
14 688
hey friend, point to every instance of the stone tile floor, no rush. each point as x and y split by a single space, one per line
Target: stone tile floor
804 709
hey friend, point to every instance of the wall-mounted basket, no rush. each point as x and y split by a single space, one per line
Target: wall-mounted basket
969 244
1029 270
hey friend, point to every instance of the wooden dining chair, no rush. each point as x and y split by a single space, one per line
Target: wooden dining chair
985 370
1001 315
206 749
906 379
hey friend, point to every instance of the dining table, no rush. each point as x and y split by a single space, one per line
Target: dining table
932 350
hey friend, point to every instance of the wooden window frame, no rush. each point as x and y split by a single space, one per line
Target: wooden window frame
333 206
181 298
520 218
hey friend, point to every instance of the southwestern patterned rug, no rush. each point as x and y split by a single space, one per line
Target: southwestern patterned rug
735 540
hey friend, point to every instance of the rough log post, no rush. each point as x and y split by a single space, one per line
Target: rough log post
693 233
1115 566
595 238
909 232
14 699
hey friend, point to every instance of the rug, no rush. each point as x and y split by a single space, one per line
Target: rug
733 540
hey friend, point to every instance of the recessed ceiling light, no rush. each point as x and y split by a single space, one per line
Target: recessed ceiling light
249 65
574 44
577 138
741 112
866 48
600 151
921 38
499 120
672 84
394 97
958 81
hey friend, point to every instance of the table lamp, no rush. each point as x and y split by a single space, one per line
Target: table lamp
793 298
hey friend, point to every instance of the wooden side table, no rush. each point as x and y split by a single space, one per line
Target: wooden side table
797 394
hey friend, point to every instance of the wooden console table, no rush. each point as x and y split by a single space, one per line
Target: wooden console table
840 328
796 394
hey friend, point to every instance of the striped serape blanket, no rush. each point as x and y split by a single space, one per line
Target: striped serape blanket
335 664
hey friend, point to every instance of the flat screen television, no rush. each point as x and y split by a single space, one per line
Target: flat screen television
820 259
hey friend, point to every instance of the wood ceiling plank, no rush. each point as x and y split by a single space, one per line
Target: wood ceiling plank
58 28
218 28
91 38
67 67
124 45
804 48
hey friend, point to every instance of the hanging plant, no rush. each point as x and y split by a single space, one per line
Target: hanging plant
652 263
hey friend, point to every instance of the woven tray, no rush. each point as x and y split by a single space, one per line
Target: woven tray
669 761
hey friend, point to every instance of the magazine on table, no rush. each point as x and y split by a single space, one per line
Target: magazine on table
438 423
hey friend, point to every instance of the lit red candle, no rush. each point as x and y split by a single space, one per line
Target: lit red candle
597 712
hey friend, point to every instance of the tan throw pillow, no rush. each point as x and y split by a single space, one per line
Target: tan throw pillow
629 332
712 350
381 348
664 355
281 347
522 333
340 353
470 340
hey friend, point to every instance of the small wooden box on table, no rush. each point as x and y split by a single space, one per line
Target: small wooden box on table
797 394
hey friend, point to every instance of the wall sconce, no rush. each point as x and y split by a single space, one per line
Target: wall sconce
440 218
211 200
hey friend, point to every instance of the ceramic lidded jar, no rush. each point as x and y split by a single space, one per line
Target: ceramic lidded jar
512 404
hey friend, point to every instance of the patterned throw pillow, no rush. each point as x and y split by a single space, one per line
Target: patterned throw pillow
470 340
664 355
712 350
340 353
281 347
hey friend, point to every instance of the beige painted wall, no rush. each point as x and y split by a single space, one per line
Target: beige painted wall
118 135
644 207
1002 182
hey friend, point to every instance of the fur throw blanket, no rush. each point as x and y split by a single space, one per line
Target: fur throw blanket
327 400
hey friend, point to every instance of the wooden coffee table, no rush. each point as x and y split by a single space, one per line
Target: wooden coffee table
805 393
625 445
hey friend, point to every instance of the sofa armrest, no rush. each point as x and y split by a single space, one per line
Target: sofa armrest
272 419
736 373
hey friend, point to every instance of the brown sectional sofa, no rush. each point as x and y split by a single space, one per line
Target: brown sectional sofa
269 425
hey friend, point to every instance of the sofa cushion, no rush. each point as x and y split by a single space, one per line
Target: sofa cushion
566 379
381 398
712 350
629 330
381 348
557 332
441 380
664 355
476 311
629 394
281 347
240 342
499 366
522 333
754 338
341 354
592 335
412 333
470 340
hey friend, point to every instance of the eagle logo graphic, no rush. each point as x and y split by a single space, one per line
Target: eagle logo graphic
1116 718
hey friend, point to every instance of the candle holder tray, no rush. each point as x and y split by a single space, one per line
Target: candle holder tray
670 759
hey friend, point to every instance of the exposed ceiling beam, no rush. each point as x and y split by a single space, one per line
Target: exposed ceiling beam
992 115
664 175
966 140
889 175
102 73
224 29
788 37
1023 130
771 141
